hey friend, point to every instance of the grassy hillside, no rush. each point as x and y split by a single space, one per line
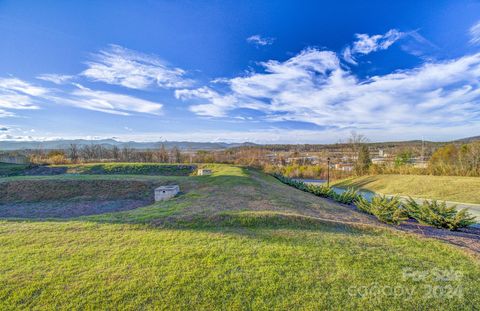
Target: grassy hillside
235 240
450 188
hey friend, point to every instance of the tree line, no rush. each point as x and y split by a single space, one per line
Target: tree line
451 159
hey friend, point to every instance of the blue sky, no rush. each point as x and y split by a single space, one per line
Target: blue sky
261 71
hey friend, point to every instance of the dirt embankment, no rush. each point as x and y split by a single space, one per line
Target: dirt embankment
48 190
108 169
71 198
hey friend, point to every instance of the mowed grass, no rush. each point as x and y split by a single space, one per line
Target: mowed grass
449 188
262 247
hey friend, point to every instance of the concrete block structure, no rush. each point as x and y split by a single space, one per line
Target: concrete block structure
166 192
204 172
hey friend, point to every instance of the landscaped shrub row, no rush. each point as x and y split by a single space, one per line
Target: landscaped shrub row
438 214
133 169
391 209
388 210
347 197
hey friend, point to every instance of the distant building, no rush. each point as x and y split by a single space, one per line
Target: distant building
379 160
303 160
346 167
383 154
419 163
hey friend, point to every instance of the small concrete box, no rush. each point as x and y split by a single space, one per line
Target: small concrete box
204 172
166 192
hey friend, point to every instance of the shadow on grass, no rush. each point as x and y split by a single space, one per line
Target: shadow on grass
273 228
358 184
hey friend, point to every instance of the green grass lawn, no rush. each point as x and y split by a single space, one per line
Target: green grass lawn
237 240
449 188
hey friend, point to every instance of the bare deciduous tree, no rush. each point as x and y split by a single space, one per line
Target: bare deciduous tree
73 153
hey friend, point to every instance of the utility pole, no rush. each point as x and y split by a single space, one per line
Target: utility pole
423 150
328 172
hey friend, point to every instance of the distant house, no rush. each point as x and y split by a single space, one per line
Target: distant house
382 153
304 160
346 167
419 163
379 160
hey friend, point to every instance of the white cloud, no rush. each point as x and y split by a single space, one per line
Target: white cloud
366 44
314 87
213 104
259 40
131 69
19 86
55 78
475 34
108 102
9 137
16 94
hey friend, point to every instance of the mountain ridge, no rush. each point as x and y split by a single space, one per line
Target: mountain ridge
183 145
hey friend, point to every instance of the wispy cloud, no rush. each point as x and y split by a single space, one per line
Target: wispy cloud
16 94
211 103
314 87
55 78
415 44
20 86
216 105
366 44
9 137
260 41
131 69
475 34
109 102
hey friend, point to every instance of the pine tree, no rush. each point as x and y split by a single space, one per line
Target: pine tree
363 161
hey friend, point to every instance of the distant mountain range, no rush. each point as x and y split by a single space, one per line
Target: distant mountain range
110 143
468 139
184 145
